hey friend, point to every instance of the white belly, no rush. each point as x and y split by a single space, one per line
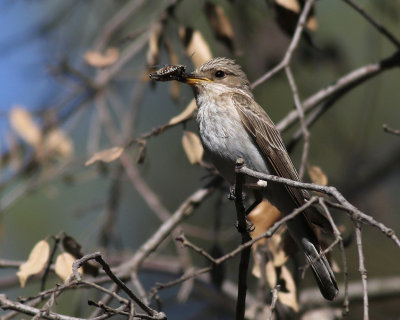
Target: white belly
225 140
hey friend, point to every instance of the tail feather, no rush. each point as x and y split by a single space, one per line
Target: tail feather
321 270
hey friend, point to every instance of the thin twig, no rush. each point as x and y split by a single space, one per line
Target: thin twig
343 253
267 234
350 80
49 262
292 46
362 269
275 291
299 107
7 304
164 231
386 128
375 23
97 256
185 242
355 213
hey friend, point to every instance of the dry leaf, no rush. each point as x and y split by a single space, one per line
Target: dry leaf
263 216
192 146
287 15
271 275
56 141
36 262
292 5
195 46
256 311
312 24
108 155
220 24
276 248
63 266
24 125
174 88
153 52
99 60
186 114
288 297
317 176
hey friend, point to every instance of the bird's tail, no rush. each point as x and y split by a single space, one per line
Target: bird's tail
321 269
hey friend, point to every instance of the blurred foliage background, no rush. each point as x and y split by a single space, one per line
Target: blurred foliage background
43 68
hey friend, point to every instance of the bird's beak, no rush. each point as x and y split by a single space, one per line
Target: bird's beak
193 79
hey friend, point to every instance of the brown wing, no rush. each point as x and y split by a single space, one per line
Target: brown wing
269 141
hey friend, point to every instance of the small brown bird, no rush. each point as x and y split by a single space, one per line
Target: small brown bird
232 125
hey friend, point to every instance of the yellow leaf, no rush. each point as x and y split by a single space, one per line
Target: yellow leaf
174 88
36 262
153 52
185 114
63 266
24 125
312 24
108 155
56 141
317 176
263 216
192 146
220 23
99 60
288 297
287 14
195 46
292 5
270 273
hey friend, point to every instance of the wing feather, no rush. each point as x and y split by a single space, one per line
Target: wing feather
269 141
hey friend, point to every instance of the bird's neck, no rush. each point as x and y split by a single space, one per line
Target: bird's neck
212 94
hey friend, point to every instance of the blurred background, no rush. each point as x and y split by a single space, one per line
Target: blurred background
74 80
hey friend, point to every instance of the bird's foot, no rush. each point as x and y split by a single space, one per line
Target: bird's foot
231 195
249 227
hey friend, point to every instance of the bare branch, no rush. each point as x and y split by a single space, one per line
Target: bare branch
292 47
244 231
362 269
375 23
391 130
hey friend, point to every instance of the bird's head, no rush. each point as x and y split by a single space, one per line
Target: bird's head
219 73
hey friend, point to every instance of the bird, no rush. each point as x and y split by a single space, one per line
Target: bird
233 125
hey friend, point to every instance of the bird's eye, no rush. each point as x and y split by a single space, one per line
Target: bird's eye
220 74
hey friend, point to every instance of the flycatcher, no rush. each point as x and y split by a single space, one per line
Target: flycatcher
232 125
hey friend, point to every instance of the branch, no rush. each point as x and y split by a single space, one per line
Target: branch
375 23
7 304
355 213
164 231
244 231
386 128
97 256
292 46
362 269
348 81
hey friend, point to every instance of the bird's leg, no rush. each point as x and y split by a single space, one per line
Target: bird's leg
231 195
257 199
